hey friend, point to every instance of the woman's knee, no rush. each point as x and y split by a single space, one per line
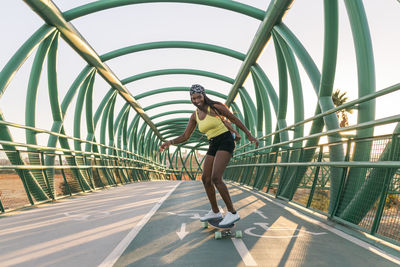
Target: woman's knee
206 180
217 180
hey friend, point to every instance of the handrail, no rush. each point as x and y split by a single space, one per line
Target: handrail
37 130
58 167
361 164
379 93
386 120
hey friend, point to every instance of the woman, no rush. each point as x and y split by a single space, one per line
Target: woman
208 118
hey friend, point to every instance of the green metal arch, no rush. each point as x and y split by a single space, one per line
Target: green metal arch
104 4
173 44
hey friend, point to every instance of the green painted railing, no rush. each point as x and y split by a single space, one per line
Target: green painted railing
27 179
373 205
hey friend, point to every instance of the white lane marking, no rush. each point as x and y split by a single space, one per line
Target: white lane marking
182 233
261 214
76 216
120 248
244 252
348 237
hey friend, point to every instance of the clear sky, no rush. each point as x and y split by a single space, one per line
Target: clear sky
119 27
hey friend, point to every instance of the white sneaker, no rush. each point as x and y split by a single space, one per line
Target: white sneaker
211 215
229 219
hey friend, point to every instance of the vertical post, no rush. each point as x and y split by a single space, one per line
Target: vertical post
259 170
343 179
89 172
125 170
78 174
98 171
110 171
28 192
316 174
44 171
284 169
293 190
65 178
1 207
272 173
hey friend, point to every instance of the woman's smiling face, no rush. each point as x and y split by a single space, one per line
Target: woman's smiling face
197 99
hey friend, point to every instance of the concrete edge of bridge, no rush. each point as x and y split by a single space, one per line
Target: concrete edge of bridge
386 247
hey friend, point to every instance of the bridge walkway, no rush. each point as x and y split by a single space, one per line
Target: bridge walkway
156 224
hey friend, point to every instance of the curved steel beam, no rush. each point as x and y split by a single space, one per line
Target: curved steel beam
12 66
186 89
177 71
275 12
173 44
53 16
106 4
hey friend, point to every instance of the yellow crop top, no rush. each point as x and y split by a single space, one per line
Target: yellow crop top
210 125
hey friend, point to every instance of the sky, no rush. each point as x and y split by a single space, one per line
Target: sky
120 27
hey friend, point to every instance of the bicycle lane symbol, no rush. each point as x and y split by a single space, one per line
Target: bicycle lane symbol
238 243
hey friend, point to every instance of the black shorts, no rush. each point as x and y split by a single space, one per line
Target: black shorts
223 141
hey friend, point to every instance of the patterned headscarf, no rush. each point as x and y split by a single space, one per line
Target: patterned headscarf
197 89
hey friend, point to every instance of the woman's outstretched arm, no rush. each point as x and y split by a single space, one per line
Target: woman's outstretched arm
185 136
224 111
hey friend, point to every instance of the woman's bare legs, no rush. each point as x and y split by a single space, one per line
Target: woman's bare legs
213 170
208 185
221 160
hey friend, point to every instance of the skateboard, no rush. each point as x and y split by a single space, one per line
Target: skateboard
227 231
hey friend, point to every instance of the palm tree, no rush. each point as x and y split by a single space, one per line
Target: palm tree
339 99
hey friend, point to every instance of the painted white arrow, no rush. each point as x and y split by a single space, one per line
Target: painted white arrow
263 225
77 217
261 214
182 233
195 216
84 217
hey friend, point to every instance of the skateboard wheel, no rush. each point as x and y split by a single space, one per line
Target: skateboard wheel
218 235
205 224
238 234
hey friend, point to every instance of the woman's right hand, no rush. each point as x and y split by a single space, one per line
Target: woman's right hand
165 146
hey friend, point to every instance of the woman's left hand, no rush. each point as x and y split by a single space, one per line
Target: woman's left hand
252 140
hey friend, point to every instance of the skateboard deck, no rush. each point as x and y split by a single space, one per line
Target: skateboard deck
223 232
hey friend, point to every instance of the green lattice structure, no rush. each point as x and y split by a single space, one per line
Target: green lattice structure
353 179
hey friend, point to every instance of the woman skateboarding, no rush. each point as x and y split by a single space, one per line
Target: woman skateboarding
210 116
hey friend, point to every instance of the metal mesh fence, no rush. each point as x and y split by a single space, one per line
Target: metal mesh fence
59 181
12 191
71 176
389 225
33 158
320 199
363 187
358 190
309 178
29 177
368 218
